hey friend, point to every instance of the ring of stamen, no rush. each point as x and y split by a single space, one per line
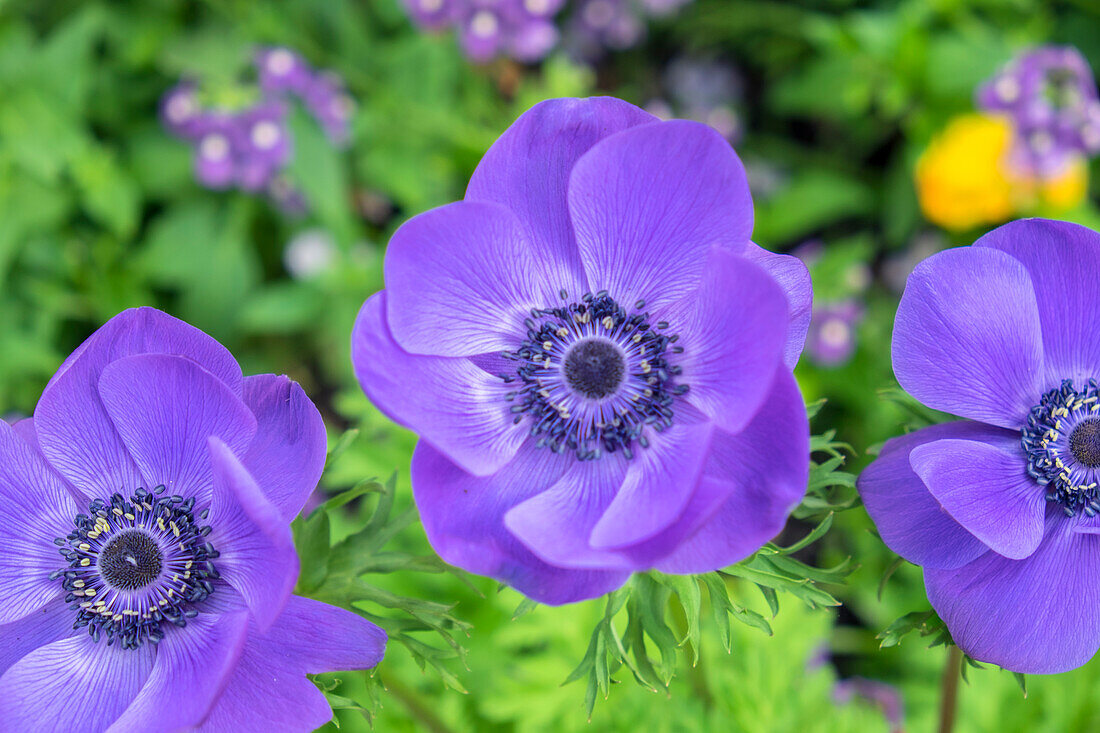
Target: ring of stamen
1062 442
135 565
592 377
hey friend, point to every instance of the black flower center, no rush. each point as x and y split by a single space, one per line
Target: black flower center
130 560
595 368
1084 443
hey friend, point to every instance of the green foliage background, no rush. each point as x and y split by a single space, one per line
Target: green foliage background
99 212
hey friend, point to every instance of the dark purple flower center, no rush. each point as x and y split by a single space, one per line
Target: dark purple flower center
593 378
594 368
130 560
1084 443
136 564
1062 443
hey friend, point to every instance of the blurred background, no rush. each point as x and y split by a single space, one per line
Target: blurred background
241 164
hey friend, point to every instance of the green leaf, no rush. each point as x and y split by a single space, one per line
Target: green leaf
312 537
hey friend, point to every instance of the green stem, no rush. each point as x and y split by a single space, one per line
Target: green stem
949 689
420 712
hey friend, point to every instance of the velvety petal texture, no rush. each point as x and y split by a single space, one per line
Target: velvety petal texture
74 431
269 690
986 489
1063 264
36 508
157 477
455 405
527 170
909 520
648 204
967 338
595 356
1039 615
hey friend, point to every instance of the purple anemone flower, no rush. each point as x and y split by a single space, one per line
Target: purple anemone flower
596 357
167 482
832 337
1001 508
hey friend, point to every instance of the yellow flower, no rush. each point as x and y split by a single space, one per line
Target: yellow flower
1067 190
965 179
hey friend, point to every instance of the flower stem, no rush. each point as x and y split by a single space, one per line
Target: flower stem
949 689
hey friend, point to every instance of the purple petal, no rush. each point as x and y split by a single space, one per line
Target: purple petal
732 328
966 336
648 204
987 490
75 684
257 551
165 408
270 690
74 432
38 628
460 279
527 169
192 667
793 277
910 521
1039 615
456 406
762 472
463 517
1063 261
659 483
36 508
287 455
556 524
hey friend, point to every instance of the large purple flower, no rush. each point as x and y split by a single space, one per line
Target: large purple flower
167 481
596 357
1001 508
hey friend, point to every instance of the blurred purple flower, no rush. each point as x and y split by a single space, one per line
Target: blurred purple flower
1050 95
251 147
327 99
831 340
1001 508
180 109
217 148
595 355
600 25
702 91
167 482
264 147
433 14
281 70
522 29
884 696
